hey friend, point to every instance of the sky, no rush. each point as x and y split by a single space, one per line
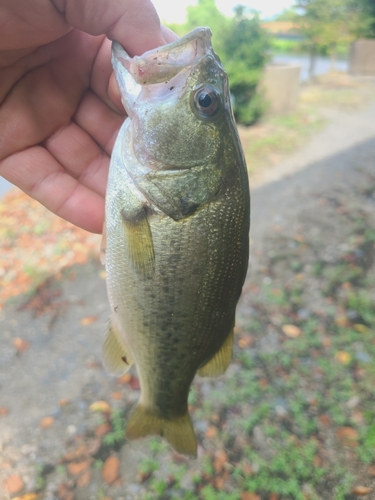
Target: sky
174 11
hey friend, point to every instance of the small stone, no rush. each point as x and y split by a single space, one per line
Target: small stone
71 430
353 402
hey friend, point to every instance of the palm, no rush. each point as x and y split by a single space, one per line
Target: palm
58 120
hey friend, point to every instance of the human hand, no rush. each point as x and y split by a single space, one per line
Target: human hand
60 108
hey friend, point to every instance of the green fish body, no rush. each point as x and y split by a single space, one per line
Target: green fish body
177 230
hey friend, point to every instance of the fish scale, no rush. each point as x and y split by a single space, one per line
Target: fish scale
176 235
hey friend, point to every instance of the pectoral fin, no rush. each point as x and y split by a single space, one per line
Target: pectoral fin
178 431
139 244
116 358
218 364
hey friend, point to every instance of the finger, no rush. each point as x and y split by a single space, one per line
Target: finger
169 35
46 98
101 123
133 23
80 156
39 175
101 76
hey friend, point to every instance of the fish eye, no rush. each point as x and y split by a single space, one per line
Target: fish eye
206 101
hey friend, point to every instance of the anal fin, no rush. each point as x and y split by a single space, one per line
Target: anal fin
139 244
116 358
178 431
218 364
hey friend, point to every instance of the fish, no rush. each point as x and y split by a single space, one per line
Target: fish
176 235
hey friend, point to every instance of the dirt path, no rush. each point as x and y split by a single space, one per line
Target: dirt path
347 143
50 371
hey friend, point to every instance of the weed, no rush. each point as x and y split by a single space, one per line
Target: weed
116 436
157 445
98 464
366 450
148 465
158 486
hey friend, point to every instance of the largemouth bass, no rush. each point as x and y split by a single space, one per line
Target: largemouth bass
176 231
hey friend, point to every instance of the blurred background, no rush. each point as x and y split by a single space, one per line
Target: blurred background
293 418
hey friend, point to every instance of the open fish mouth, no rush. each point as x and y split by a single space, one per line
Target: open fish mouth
160 73
163 63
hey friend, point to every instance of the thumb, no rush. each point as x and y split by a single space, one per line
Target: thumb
133 23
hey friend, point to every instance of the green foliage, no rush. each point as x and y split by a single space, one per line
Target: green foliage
366 450
148 465
244 56
288 14
40 480
205 13
116 436
283 45
209 493
328 25
291 466
365 9
158 486
157 445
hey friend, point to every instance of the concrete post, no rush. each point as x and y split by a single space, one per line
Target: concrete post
362 58
281 86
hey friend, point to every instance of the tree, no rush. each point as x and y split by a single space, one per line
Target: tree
366 18
289 14
245 53
327 24
205 13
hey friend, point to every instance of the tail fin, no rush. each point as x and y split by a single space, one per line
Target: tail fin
178 431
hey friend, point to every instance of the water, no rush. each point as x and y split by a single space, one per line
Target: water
322 64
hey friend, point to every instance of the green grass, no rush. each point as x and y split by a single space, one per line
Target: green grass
267 143
282 45
116 435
